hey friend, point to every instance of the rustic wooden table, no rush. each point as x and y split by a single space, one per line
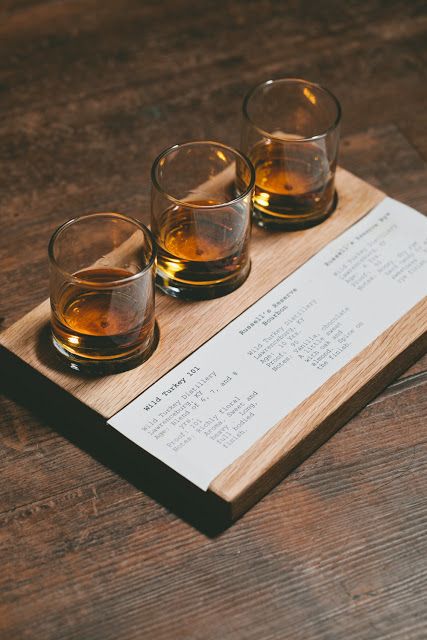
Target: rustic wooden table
90 92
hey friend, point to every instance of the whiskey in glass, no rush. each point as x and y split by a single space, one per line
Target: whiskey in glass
102 270
201 219
290 131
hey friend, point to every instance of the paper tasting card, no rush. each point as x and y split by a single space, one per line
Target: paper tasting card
214 405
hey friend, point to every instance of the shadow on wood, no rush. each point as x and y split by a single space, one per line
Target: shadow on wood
88 430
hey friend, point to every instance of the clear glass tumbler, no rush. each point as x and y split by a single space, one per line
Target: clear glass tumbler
102 271
290 132
201 211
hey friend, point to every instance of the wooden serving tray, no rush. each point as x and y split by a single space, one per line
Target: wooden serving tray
184 326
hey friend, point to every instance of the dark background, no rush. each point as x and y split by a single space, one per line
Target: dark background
90 92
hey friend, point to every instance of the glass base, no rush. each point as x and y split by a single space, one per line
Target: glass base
200 291
107 366
293 221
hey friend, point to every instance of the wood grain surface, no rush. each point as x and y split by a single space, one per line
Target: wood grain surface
90 92
300 432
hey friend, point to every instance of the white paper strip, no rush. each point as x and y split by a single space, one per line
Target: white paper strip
213 406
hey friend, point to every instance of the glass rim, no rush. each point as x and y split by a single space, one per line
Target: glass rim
190 143
284 138
109 214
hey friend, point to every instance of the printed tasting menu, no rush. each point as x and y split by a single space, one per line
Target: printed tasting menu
215 404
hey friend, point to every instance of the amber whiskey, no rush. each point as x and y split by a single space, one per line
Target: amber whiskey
201 249
95 319
294 185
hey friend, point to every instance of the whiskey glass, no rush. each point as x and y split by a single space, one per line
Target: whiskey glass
201 210
102 271
290 132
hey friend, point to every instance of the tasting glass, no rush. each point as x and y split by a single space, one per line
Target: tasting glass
290 132
201 208
102 270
